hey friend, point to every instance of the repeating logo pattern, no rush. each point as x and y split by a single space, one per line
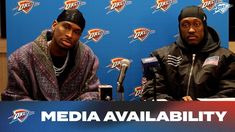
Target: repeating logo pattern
95 35
25 6
140 34
72 4
117 5
163 5
20 115
218 6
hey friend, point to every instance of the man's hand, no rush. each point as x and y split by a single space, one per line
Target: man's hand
187 98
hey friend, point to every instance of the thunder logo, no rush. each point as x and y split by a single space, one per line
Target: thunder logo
116 63
25 6
140 34
216 5
72 4
117 5
209 4
95 35
20 115
137 93
163 5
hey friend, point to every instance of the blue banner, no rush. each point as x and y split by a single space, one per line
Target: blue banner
117 116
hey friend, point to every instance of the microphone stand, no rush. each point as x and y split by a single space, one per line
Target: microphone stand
151 66
154 70
120 91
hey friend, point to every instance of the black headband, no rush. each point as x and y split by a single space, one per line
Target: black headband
192 11
74 16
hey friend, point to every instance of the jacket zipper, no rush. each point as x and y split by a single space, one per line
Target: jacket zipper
190 74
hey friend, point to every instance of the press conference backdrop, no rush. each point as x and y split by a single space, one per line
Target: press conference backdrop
115 29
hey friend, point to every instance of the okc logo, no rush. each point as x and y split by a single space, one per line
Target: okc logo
116 63
209 4
140 34
163 5
222 7
25 6
72 4
138 92
216 5
20 115
117 5
95 35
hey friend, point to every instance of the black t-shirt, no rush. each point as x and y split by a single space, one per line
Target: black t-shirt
59 62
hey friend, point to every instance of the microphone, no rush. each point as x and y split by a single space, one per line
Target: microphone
125 63
150 66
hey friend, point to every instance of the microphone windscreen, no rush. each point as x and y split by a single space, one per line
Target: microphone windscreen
149 64
125 62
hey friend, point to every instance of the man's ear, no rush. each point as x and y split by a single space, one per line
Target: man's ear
54 25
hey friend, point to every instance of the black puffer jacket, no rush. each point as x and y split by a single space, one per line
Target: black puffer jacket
208 73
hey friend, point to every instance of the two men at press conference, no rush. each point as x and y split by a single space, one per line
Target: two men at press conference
195 66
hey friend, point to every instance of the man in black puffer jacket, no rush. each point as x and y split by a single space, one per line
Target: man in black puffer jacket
195 66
